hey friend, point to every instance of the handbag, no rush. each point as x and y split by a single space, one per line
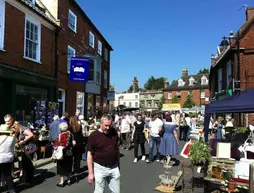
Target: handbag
161 132
58 152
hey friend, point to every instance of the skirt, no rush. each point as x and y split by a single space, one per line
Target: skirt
168 145
64 166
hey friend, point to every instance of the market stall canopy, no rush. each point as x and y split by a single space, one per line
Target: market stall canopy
195 109
242 102
171 107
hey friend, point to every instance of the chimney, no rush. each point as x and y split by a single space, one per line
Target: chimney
249 13
166 83
185 72
213 61
135 85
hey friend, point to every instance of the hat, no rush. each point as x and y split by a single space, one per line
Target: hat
62 121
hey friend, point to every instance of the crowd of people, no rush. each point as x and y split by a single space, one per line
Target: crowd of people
99 146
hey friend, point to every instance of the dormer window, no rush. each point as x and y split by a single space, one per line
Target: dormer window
191 81
180 82
204 80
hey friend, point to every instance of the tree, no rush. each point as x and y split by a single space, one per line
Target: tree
155 83
189 102
204 71
161 102
130 88
175 99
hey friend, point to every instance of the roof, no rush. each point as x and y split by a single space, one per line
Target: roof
151 92
40 9
91 23
174 86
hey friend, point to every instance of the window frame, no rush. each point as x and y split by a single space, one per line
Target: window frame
136 104
38 52
106 54
180 83
91 35
105 79
2 24
220 80
75 17
99 49
202 94
63 99
170 95
229 74
98 71
204 79
69 58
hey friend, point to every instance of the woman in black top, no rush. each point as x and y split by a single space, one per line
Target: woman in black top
138 137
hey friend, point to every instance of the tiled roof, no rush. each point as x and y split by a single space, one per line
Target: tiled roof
174 86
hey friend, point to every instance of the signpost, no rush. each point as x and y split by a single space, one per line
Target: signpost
79 67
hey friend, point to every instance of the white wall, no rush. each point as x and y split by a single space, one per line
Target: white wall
129 99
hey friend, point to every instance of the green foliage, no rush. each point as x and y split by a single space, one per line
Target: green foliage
242 130
162 101
189 102
200 153
155 83
175 99
204 71
130 88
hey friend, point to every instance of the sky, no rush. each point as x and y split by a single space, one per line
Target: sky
161 37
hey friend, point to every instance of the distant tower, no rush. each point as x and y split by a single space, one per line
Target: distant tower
135 87
166 83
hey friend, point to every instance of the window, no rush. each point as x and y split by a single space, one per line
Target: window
71 53
91 70
98 73
136 104
204 80
72 21
178 94
169 95
99 47
136 96
31 1
32 39
2 21
105 79
145 96
220 80
202 94
191 81
180 82
149 103
124 103
91 39
229 74
80 101
61 101
106 54
129 104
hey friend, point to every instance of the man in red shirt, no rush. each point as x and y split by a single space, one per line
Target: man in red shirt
103 157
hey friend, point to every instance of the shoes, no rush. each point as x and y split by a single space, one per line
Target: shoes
143 158
60 185
135 160
158 160
77 178
148 161
69 182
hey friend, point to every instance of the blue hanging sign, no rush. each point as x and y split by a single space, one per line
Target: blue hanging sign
79 69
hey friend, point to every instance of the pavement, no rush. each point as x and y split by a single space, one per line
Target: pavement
137 177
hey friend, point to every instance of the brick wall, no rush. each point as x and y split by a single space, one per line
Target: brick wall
14 44
184 94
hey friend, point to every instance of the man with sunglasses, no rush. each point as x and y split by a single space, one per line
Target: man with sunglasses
103 157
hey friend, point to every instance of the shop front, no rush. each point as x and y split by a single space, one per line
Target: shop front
26 95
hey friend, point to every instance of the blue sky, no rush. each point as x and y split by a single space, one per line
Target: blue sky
159 38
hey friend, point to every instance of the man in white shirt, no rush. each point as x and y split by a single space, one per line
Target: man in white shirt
126 132
155 126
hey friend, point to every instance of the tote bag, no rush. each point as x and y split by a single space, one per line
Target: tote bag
58 153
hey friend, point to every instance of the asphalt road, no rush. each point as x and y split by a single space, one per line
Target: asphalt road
137 177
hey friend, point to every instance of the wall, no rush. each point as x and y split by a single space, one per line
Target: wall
132 98
14 43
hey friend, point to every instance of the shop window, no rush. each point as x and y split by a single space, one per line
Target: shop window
61 101
71 53
91 70
2 21
72 21
80 101
32 39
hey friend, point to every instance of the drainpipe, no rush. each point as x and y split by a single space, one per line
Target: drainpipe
57 31
238 57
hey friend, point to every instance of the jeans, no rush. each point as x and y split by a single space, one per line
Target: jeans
126 137
109 175
152 141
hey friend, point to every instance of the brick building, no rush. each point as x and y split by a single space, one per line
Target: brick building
195 85
232 69
80 37
27 57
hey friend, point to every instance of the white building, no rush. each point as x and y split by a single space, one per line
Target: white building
127 99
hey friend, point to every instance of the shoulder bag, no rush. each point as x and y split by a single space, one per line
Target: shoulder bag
58 152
